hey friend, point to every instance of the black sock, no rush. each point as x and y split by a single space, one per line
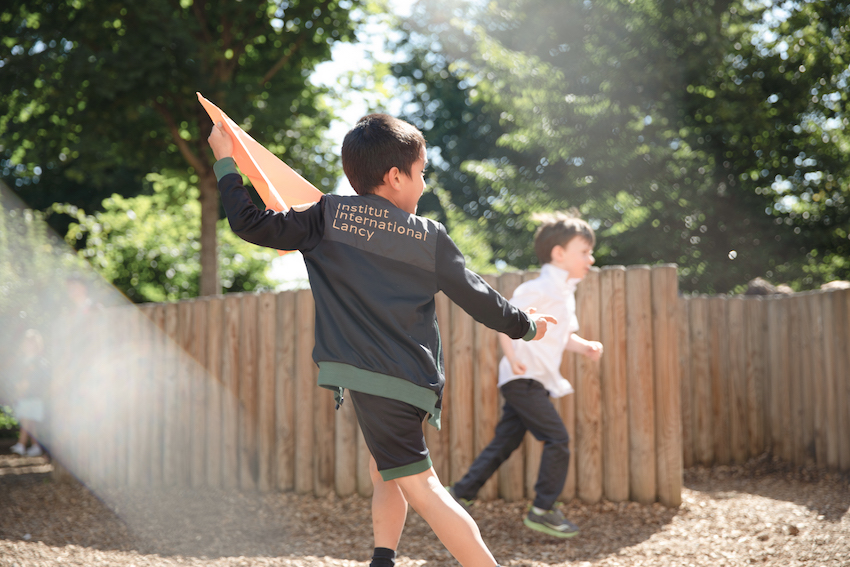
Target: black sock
383 557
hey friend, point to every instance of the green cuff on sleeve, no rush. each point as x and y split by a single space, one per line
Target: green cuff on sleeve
223 167
532 331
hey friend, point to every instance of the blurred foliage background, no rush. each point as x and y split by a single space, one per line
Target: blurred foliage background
99 94
709 134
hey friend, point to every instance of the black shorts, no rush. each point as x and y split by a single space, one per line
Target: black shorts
393 433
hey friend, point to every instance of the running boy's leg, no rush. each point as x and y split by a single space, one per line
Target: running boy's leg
393 433
531 401
450 522
389 509
510 432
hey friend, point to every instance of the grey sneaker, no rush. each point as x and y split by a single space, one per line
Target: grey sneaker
466 504
552 522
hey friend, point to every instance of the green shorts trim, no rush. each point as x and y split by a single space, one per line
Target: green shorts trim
407 470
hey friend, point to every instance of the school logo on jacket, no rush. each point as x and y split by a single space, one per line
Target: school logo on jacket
365 221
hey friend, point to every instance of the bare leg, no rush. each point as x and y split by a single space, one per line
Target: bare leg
452 524
389 509
23 437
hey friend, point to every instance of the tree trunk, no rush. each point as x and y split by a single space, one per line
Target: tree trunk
209 245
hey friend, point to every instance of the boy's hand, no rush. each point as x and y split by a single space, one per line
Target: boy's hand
517 367
220 142
594 350
543 321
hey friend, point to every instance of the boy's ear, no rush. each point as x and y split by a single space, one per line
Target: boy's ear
392 177
557 252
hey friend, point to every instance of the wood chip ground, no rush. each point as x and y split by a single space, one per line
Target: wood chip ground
763 513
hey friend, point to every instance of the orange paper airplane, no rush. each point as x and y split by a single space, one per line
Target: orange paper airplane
279 186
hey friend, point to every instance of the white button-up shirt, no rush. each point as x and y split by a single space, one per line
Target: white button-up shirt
552 294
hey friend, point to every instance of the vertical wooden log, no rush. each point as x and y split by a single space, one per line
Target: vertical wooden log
701 380
107 463
200 378
140 457
438 440
364 481
486 394
614 385
214 388
780 400
323 451
756 364
157 394
841 302
588 394
230 392
248 393
171 422
96 417
86 450
304 390
512 472
809 379
460 388
82 447
126 408
266 358
124 350
285 355
100 398
117 416
687 393
153 421
816 407
719 372
799 379
642 459
830 392
789 424
668 422
737 370
345 441
185 377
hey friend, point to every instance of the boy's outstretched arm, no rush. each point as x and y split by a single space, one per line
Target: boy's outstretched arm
294 230
590 349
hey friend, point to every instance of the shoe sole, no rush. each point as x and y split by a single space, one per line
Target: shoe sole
547 530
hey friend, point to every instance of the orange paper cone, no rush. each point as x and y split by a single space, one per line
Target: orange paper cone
279 186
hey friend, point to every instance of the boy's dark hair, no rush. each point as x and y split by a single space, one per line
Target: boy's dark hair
376 144
558 229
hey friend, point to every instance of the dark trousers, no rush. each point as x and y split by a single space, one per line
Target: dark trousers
527 408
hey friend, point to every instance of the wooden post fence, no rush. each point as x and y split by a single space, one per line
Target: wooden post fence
222 392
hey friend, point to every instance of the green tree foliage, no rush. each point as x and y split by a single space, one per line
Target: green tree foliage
459 129
148 246
97 93
710 134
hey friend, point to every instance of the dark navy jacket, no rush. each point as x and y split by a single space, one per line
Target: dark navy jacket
374 270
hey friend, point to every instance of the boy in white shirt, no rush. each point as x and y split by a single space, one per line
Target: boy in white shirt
529 373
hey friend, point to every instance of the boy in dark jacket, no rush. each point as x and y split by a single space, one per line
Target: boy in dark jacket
374 269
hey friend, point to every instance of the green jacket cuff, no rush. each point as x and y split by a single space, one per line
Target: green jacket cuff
532 331
223 167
